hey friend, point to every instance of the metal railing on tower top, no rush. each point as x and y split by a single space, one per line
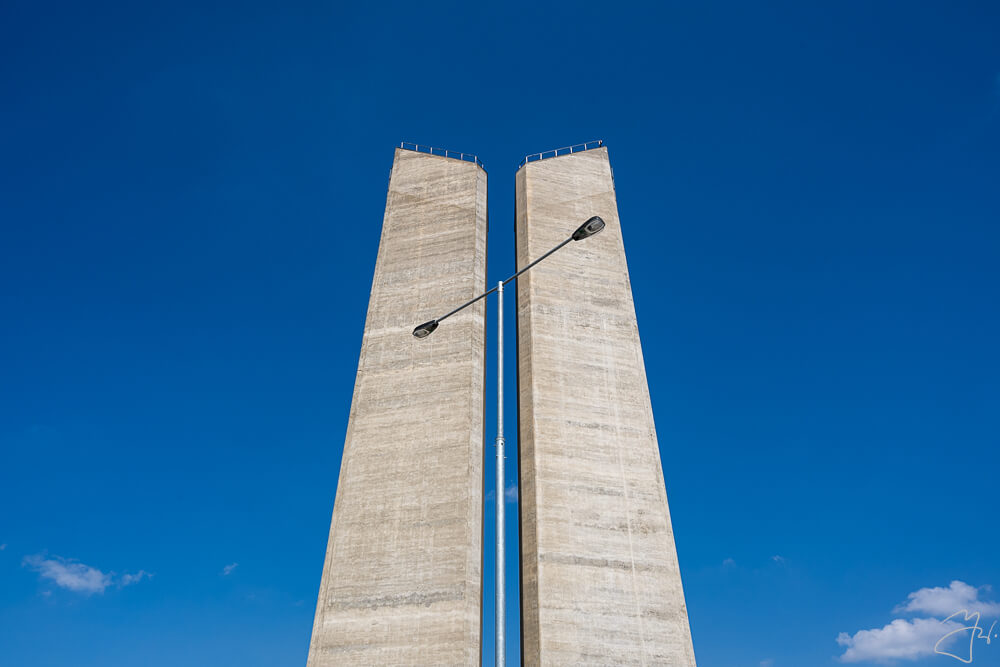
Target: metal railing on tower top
575 148
443 152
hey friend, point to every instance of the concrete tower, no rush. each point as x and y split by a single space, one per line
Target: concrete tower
402 581
600 583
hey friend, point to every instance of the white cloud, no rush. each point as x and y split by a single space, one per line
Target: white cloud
729 562
944 602
227 570
129 579
3 546
768 662
69 574
510 493
916 638
900 640
778 559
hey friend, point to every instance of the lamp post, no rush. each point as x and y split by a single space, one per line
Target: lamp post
587 229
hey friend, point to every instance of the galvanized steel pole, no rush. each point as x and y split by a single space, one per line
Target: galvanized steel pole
501 596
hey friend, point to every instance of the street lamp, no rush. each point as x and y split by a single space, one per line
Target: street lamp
586 230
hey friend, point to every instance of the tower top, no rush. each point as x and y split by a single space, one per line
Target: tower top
441 152
566 150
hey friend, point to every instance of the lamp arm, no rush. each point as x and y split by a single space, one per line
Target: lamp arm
488 292
466 304
538 260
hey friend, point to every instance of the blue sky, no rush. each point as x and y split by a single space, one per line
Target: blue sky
190 203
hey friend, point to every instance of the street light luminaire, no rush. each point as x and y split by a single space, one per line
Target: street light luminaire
589 228
426 329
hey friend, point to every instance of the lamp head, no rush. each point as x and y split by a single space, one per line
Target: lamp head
426 329
589 228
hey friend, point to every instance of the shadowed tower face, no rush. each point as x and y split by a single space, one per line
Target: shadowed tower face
600 582
402 580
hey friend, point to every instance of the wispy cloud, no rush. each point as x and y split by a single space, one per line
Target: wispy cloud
3 546
943 602
767 662
228 570
729 562
510 494
778 559
912 639
69 574
129 579
75 576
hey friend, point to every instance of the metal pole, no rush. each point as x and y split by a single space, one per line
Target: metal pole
501 597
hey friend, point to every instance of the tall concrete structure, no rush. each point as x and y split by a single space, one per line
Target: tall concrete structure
600 582
402 581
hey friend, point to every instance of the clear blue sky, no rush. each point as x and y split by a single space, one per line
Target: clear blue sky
190 203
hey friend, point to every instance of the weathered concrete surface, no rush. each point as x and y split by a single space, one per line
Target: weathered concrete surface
600 583
402 581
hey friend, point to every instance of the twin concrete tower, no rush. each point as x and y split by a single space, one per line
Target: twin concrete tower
403 578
